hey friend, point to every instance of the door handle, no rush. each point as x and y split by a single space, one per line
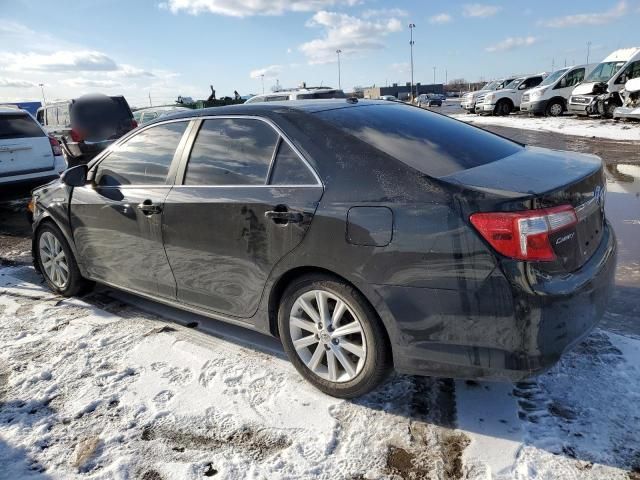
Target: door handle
149 208
284 216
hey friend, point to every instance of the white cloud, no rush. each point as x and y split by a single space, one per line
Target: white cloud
129 71
90 82
440 18
381 12
60 61
11 83
10 28
511 43
598 18
403 67
480 10
272 71
247 8
352 35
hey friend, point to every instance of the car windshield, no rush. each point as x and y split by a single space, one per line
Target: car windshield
515 83
490 85
551 79
19 126
604 71
421 139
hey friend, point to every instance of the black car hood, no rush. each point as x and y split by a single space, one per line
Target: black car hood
533 170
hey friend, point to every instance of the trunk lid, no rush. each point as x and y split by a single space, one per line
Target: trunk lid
539 178
101 118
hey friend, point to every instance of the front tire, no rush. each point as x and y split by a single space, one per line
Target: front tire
555 108
57 263
503 108
333 336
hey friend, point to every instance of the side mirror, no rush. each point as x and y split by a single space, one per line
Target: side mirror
563 82
75 176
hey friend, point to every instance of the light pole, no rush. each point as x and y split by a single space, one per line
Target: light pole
44 100
338 51
262 79
434 75
588 51
411 42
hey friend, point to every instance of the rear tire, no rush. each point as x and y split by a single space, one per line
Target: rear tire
57 264
340 344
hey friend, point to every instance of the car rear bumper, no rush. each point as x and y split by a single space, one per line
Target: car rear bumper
83 152
499 332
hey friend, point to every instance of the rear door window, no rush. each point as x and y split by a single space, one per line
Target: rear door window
289 169
52 116
231 152
19 126
143 159
432 143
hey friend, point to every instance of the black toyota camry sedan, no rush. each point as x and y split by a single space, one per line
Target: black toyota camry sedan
366 235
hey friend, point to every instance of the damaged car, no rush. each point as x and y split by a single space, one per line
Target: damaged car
599 94
630 108
357 232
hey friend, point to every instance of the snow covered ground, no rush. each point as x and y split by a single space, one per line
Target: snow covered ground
112 387
581 127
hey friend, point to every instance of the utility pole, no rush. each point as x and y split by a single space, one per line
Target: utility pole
262 79
411 42
434 75
446 76
553 64
338 51
44 100
150 104
588 50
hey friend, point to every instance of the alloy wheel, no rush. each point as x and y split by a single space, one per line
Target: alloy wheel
555 110
327 336
53 260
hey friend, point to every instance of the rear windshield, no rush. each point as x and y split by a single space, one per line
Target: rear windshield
19 126
90 113
432 143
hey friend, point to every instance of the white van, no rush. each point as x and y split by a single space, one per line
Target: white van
27 153
307 93
551 96
468 100
614 71
506 100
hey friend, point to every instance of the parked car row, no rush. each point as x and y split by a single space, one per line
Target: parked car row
594 89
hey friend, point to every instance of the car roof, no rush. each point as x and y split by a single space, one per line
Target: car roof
7 110
264 109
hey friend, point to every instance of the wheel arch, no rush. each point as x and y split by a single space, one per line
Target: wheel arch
281 284
560 99
48 219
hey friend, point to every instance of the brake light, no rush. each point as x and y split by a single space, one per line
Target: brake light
56 149
77 135
524 235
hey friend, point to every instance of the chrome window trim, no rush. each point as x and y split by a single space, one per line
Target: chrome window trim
278 130
282 137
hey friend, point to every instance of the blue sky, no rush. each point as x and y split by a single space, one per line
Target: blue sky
171 47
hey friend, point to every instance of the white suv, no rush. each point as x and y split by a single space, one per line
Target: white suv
468 100
27 154
503 102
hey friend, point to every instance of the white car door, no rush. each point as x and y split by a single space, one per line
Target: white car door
24 147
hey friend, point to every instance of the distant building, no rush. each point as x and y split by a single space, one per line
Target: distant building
401 92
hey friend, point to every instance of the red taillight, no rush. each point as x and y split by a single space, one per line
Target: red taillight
55 147
77 135
134 124
524 235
